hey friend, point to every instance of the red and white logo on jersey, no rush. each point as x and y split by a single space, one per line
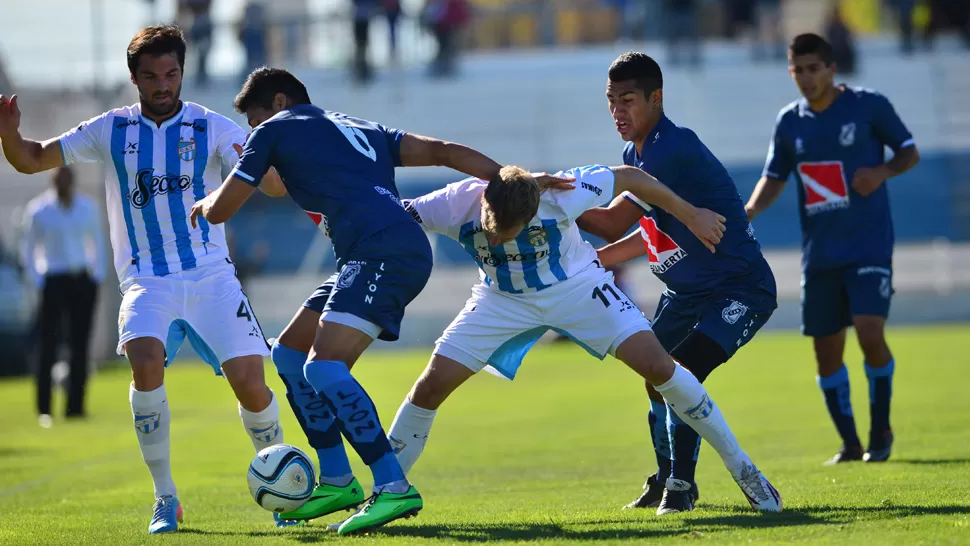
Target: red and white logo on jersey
320 221
825 186
662 251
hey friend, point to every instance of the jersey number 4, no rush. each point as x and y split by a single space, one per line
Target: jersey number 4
356 137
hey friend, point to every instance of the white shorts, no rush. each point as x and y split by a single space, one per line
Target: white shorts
497 329
206 305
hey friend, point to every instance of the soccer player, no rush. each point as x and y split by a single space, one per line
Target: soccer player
539 274
177 281
340 170
833 140
714 303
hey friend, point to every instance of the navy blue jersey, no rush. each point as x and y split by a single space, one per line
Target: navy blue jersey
840 227
676 157
340 170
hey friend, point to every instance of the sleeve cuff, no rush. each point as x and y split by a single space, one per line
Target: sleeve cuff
243 176
637 201
907 143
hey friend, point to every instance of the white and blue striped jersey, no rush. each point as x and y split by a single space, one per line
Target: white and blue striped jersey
154 176
548 251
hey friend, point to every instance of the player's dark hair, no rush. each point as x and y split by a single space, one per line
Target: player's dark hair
640 67
156 40
264 83
513 198
808 44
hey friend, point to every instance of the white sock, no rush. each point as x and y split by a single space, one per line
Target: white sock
409 433
152 426
264 428
690 401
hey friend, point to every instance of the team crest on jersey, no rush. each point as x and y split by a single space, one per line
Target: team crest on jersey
347 275
662 251
538 236
847 136
187 149
734 311
825 186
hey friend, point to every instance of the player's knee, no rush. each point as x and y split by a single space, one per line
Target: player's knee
871 335
428 393
147 358
245 375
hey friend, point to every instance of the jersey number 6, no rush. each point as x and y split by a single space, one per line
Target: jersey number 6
356 137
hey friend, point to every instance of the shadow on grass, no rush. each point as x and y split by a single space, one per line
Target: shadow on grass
648 527
930 462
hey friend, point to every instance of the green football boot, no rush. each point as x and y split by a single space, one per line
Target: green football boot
327 499
383 508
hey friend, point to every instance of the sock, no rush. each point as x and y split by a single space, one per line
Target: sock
152 425
263 427
358 420
409 433
880 394
835 388
315 417
687 398
685 447
661 442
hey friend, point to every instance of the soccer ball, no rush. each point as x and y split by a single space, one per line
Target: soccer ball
281 478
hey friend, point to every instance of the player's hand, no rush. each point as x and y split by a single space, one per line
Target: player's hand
547 181
9 115
198 209
238 148
867 180
708 226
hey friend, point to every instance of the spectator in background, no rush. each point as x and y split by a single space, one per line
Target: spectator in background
838 34
682 31
67 227
445 19
770 42
904 14
251 31
948 13
200 34
392 11
364 11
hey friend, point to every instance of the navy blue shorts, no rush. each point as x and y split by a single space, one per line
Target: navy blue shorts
376 290
729 321
830 298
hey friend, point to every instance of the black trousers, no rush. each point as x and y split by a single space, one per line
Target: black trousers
70 297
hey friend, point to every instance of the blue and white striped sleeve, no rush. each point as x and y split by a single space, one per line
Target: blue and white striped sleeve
83 144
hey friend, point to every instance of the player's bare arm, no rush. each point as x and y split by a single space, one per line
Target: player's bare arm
220 205
624 250
25 155
422 151
764 195
706 225
612 222
868 179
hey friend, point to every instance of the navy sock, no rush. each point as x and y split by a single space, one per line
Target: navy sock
314 415
661 442
357 417
685 447
835 388
880 394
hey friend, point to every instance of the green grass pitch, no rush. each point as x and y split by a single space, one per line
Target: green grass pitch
551 457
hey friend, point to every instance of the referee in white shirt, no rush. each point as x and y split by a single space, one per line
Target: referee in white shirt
64 257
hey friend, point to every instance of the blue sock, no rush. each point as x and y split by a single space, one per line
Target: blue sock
835 388
685 447
314 415
880 394
357 417
661 443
